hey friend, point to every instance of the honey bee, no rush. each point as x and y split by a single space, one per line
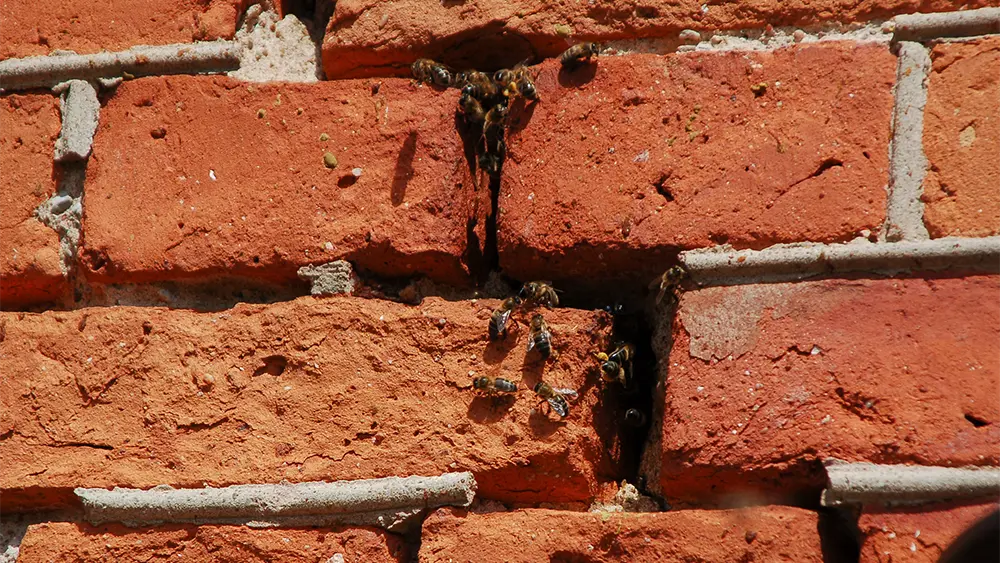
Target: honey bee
471 108
426 70
635 418
499 318
491 386
555 397
575 55
496 120
670 282
490 163
617 366
539 293
539 337
516 82
477 84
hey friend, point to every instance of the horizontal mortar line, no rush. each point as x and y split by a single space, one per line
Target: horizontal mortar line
870 483
783 262
385 502
180 58
916 27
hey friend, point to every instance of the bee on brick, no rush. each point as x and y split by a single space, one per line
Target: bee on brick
577 54
556 398
617 366
431 72
539 337
501 316
670 282
491 386
539 293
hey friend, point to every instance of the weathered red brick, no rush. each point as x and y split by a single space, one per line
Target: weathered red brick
962 139
274 205
607 176
30 269
373 38
918 534
764 381
38 27
64 541
770 533
307 390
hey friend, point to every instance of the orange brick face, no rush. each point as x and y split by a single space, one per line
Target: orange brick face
310 390
224 177
770 379
754 534
962 140
30 270
114 542
38 27
917 535
615 170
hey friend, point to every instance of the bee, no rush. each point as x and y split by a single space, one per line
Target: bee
489 162
539 337
617 366
491 386
575 55
539 292
635 418
499 318
555 397
670 282
496 120
471 108
516 82
426 70
477 84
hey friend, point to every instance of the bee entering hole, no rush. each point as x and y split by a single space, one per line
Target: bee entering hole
661 187
976 421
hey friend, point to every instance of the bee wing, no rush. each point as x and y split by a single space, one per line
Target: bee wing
531 344
559 407
571 393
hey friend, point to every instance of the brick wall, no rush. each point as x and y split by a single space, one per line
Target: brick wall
248 266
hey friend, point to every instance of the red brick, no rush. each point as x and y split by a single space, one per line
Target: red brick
38 27
274 206
962 140
919 534
30 270
373 38
756 534
138 397
580 195
763 381
64 541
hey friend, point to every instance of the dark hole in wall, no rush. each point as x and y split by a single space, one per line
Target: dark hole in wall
976 421
839 537
980 542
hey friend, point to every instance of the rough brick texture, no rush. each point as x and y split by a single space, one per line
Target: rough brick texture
154 211
114 542
308 390
373 38
614 170
916 535
765 380
756 534
962 140
30 269
39 27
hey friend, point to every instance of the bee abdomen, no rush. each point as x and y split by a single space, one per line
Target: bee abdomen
543 345
505 386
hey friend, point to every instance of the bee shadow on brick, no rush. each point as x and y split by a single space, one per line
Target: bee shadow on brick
578 76
471 135
497 350
404 169
521 113
543 422
487 410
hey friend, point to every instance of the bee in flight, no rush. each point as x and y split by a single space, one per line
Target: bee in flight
555 397
670 282
431 72
575 55
491 386
539 293
500 317
539 337
617 366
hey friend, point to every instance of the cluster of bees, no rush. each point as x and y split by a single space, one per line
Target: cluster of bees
485 99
